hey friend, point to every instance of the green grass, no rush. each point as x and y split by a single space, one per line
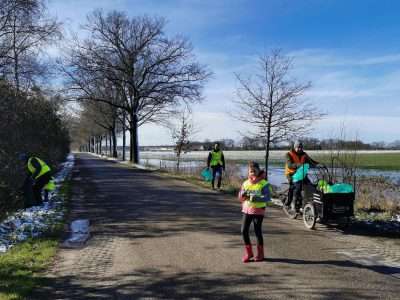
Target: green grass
382 161
228 187
378 161
22 267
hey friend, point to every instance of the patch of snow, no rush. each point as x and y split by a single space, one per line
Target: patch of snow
33 221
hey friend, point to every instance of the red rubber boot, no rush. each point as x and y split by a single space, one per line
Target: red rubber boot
248 255
260 253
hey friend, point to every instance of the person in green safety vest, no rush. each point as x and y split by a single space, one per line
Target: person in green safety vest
216 161
39 174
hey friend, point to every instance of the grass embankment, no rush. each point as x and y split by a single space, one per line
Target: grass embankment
230 185
21 268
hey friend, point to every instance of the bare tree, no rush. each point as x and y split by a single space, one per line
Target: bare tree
106 117
181 133
272 102
154 73
24 31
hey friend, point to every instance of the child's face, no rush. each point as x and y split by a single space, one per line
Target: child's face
253 172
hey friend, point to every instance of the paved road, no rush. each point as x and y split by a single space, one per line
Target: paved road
158 238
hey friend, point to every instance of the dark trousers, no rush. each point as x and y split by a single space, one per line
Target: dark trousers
215 170
246 222
295 189
38 186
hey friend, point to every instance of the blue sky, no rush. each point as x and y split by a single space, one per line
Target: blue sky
349 50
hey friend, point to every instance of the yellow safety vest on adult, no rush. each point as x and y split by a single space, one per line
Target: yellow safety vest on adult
216 158
44 168
256 190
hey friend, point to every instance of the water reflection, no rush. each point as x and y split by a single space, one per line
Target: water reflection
275 173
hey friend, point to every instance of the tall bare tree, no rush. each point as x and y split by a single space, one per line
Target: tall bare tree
272 102
24 31
154 73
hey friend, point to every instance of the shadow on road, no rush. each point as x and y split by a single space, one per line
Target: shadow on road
139 205
153 284
339 263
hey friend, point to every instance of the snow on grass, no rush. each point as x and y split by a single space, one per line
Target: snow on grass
34 221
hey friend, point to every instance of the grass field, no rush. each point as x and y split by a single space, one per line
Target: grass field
380 160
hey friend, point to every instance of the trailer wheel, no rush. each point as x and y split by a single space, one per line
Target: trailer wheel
309 216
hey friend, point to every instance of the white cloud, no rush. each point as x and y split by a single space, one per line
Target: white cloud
362 89
368 128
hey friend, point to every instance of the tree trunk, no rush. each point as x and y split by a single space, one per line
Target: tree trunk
178 160
266 159
16 59
114 143
134 147
268 142
123 136
107 145
110 145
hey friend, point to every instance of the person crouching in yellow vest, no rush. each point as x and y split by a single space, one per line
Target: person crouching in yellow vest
216 161
254 194
40 175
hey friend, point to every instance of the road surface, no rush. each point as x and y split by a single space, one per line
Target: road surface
158 238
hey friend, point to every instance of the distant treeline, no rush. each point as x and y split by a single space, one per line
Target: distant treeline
247 143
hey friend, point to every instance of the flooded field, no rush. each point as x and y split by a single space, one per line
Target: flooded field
236 162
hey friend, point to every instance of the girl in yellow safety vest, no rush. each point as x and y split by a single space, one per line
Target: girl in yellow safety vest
254 194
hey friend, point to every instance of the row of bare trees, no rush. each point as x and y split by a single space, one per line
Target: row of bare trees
132 72
127 72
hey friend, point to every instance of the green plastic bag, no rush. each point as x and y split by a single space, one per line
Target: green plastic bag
206 174
301 173
337 188
341 188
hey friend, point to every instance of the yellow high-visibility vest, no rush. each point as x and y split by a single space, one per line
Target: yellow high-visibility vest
256 189
216 158
44 167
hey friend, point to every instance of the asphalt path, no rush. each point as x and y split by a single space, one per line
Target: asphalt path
154 237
